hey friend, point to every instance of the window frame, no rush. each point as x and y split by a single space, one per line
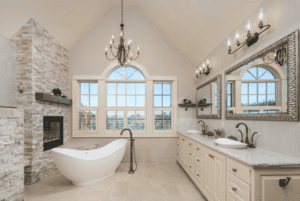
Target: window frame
102 108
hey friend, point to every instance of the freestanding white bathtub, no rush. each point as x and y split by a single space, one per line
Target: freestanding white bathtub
85 167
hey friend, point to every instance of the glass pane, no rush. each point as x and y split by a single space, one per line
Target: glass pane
216 88
84 101
115 76
140 124
158 115
140 101
166 101
84 88
167 115
166 88
92 120
131 115
271 100
253 72
271 88
110 124
157 101
248 76
262 88
94 101
261 71
140 114
229 88
121 101
130 71
228 100
167 125
122 71
93 88
121 88
111 101
157 88
216 100
252 100
252 88
111 115
120 115
159 125
244 100
130 101
130 88
244 88
267 76
111 88
119 124
140 88
131 124
136 76
262 100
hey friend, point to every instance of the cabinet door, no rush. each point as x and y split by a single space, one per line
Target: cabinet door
209 173
219 176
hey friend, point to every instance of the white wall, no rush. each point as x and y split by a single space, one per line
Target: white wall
158 55
284 16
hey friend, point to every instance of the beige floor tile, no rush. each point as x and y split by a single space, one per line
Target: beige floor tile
153 181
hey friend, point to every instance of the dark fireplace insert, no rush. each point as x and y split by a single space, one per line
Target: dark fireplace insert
53 132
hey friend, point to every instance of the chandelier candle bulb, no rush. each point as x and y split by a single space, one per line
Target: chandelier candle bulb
261 15
207 61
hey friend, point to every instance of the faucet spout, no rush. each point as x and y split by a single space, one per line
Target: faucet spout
126 129
246 139
203 127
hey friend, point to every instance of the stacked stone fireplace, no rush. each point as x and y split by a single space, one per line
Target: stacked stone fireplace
42 65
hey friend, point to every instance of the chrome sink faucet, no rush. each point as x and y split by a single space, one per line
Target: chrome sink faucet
204 129
250 144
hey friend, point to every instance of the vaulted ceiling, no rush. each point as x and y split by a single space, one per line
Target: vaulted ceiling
196 27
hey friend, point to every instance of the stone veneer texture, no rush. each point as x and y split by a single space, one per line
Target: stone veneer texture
11 154
42 65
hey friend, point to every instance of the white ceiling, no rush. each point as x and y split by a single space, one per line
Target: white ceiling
196 27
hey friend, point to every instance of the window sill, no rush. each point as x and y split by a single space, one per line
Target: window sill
135 135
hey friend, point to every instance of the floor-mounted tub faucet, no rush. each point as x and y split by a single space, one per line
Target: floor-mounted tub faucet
131 171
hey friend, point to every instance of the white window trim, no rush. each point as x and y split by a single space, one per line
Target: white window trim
101 109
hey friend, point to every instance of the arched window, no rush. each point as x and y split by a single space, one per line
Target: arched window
259 87
126 91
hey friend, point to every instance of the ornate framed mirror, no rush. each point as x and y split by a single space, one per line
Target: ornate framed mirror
209 99
265 86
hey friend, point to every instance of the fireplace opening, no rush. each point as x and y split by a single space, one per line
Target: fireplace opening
53 131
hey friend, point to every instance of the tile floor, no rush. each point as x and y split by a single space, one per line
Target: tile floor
155 181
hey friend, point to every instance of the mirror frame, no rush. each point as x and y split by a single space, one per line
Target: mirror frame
217 79
292 41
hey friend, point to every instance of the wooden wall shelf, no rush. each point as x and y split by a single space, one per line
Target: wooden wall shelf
187 106
53 99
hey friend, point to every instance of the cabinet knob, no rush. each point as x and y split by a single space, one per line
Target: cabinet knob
234 170
197 175
190 154
197 160
182 139
234 189
190 144
197 148
190 166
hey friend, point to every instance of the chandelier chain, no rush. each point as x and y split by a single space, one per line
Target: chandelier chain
122 12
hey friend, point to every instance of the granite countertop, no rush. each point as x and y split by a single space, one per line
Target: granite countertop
255 157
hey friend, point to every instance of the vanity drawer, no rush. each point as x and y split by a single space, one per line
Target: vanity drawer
199 148
190 153
191 166
228 198
199 176
200 161
236 188
191 144
239 170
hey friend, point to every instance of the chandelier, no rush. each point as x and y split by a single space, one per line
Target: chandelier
123 52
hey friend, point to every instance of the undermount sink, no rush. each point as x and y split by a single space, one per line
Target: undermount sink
193 132
224 142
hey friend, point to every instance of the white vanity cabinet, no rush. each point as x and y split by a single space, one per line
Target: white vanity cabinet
222 178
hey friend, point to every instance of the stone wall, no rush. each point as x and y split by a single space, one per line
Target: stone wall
42 65
11 154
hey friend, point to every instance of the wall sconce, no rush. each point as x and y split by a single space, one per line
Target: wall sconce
251 38
203 71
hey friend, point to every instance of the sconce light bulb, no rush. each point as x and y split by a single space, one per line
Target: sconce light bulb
131 55
110 42
203 65
197 71
138 48
121 34
237 35
207 61
248 26
229 43
112 37
105 49
261 15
